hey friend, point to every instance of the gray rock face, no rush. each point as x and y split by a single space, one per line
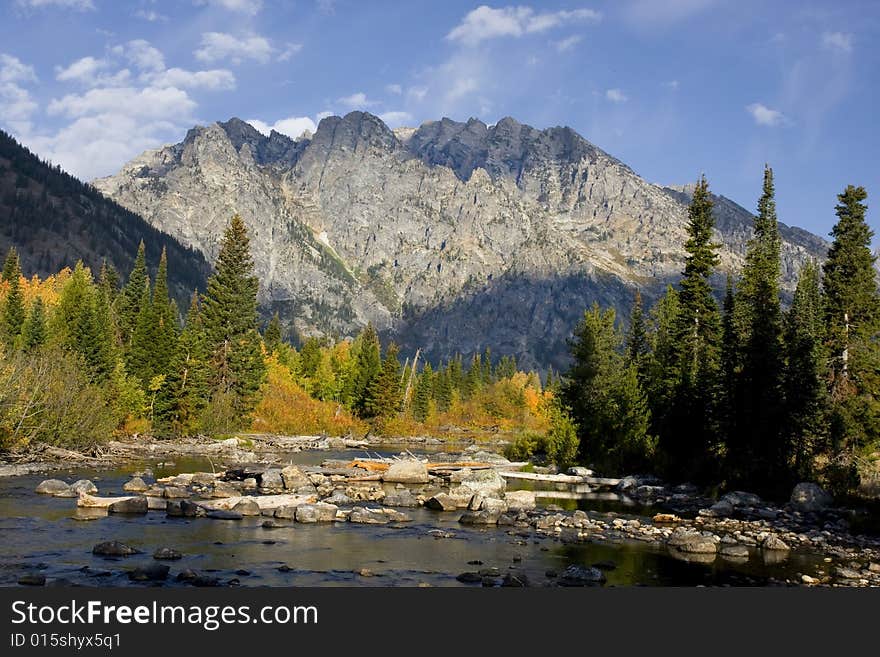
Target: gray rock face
434 237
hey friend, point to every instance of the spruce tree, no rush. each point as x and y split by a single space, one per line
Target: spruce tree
688 444
132 294
663 361
605 398
756 450
272 335
385 395
367 366
34 333
730 407
473 380
164 321
185 393
852 317
422 393
637 347
13 309
443 389
805 374
229 312
139 357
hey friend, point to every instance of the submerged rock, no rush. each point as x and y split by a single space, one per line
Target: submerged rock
576 575
155 572
32 579
167 554
114 549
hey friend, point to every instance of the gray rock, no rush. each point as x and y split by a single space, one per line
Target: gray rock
32 579
366 515
808 496
520 500
579 471
294 479
480 517
773 542
83 486
247 508
734 551
286 512
132 505
441 502
167 554
406 472
271 480
135 485
339 498
401 498
692 542
319 512
740 498
721 509
486 482
576 575
175 493
222 489
54 487
191 509
114 549
223 514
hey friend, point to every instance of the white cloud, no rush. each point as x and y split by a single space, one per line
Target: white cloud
672 84
81 5
395 89
357 100
616 96
568 43
141 55
323 115
485 23
397 119
289 51
250 7
149 102
216 46
213 80
150 16
293 126
82 70
840 41
417 93
16 104
461 88
763 115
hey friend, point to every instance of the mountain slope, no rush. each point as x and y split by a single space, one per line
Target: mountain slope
454 236
54 220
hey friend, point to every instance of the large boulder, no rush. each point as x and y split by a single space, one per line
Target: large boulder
520 500
368 516
135 485
692 542
295 479
271 480
488 482
83 486
54 487
401 497
247 508
441 502
576 575
406 472
318 512
808 496
137 504
740 498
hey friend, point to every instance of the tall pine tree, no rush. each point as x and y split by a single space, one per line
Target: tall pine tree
229 312
367 366
132 294
13 309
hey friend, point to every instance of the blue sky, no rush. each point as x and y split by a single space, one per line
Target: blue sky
671 87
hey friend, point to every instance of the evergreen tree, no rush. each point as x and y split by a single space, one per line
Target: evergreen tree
13 310
663 361
310 357
852 317
689 442
422 393
272 335
185 393
487 367
730 407
385 395
164 321
132 295
756 450
443 389
34 332
605 398
229 314
139 359
367 366
805 394
637 347
473 380
505 368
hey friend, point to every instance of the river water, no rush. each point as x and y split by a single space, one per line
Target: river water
39 534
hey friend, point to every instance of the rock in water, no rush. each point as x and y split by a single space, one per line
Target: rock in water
406 472
271 481
402 498
247 508
773 542
52 487
369 516
293 479
808 496
114 549
441 502
576 575
83 486
137 504
693 542
32 579
135 485
167 554
319 512
520 500
223 514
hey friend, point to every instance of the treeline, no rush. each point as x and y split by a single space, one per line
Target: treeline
85 357
744 393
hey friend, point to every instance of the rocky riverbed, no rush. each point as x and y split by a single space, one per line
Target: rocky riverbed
302 495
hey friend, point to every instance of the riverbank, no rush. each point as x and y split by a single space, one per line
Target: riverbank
252 479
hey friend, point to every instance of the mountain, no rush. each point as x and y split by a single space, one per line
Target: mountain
450 237
53 220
